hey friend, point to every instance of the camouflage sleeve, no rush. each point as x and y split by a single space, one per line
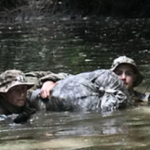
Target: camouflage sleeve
148 96
39 77
38 74
142 97
34 77
45 76
54 77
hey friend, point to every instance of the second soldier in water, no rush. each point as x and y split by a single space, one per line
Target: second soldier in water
128 72
99 90
15 90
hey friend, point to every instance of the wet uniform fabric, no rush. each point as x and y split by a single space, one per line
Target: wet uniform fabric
11 78
138 97
100 90
39 77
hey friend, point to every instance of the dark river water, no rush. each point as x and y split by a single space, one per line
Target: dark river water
73 46
123 130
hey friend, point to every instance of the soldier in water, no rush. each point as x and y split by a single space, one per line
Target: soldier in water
15 90
126 69
128 72
102 86
99 90
86 91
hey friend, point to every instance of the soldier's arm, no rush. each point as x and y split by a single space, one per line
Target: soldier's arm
49 81
44 76
148 97
45 80
46 88
145 97
54 77
141 97
35 76
39 77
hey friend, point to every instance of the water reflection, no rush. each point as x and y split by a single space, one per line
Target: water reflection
72 45
128 129
76 46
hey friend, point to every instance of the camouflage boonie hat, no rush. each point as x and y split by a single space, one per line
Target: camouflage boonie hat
11 78
127 60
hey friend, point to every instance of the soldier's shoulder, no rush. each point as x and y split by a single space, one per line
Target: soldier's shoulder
141 97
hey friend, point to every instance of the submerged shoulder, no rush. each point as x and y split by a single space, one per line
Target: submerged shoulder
141 97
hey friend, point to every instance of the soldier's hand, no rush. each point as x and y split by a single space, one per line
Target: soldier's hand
46 88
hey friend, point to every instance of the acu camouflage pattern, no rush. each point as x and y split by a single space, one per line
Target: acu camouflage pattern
39 77
140 97
136 96
43 76
11 78
98 90
127 60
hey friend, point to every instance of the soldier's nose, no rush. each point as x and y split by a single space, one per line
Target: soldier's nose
123 76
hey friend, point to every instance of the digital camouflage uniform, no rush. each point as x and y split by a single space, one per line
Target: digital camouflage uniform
39 77
136 96
11 78
99 90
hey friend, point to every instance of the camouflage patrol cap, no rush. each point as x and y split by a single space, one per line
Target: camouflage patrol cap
127 60
11 78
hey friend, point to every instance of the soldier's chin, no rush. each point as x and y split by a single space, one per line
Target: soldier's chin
20 103
127 87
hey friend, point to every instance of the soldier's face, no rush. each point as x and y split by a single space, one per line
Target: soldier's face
17 95
126 74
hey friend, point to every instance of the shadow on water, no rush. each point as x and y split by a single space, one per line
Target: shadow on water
128 129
